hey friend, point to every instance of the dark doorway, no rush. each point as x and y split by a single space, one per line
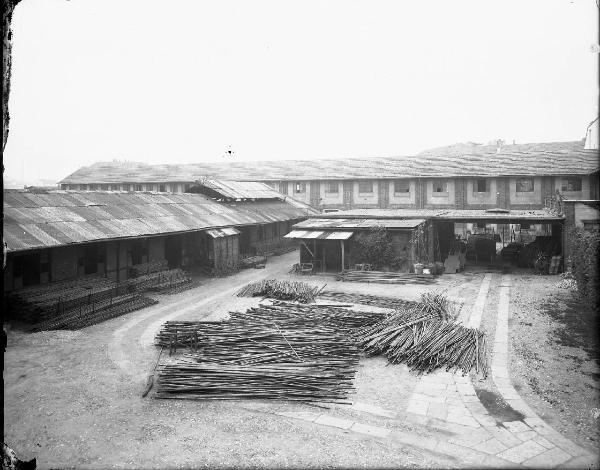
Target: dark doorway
173 251
31 269
90 259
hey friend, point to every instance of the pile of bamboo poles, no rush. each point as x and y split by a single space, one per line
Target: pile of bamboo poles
385 277
305 381
366 299
283 351
282 290
424 341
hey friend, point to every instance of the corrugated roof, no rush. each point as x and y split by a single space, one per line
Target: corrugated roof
319 235
66 217
241 189
556 158
335 223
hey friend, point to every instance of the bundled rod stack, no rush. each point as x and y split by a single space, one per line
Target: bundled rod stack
282 290
284 351
366 299
425 341
385 277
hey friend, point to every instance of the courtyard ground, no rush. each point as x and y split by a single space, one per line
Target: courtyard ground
73 399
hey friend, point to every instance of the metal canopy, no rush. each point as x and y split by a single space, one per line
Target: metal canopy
319 235
223 232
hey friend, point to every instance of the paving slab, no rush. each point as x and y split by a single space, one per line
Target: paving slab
463 419
543 441
303 415
504 436
334 422
492 446
550 458
516 426
437 410
374 410
472 438
526 436
522 452
587 462
418 407
376 431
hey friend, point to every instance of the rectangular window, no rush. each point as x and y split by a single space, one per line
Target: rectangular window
481 185
524 226
571 184
365 187
332 187
93 187
440 186
300 187
524 185
161 188
104 187
481 225
401 186
591 225
138 187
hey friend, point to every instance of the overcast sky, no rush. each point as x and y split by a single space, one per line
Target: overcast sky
182 81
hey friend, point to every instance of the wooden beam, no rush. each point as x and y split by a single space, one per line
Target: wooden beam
308 249
342 246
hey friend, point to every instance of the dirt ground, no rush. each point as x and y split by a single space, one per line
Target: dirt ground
73 399
554 357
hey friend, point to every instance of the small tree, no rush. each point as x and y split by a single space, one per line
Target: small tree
374 247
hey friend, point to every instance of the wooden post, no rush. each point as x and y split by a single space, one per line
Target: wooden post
342 246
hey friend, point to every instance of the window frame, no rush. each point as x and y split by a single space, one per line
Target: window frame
564 187
519 188
444 187
477 186
300 187
363 182
401 193
331 184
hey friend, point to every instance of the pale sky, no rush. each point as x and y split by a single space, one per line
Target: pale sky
182 81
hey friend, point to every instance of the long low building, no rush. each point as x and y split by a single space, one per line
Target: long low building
469 176
58 235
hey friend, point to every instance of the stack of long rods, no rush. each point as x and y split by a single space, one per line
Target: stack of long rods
426 339
282 290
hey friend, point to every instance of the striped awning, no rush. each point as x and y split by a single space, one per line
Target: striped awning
319 235
222 232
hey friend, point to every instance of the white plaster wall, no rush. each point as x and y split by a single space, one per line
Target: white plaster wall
534 197
402 198
585 212
583 194
331 198
441 198
365 198
481 198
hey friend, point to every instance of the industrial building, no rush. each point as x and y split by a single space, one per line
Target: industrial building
58 235
466 176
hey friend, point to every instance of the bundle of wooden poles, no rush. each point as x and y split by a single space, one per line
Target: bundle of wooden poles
426 338
366 299
284 351
384 277
282 290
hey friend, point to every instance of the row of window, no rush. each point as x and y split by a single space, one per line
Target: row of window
481 185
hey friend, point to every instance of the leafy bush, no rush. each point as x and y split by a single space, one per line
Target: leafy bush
584 261
374 247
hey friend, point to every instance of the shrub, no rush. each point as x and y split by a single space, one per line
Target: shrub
584 261
374 247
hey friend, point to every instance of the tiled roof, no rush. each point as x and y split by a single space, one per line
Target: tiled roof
558 158
58 218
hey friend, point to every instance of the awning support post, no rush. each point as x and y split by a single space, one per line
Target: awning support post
342 246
